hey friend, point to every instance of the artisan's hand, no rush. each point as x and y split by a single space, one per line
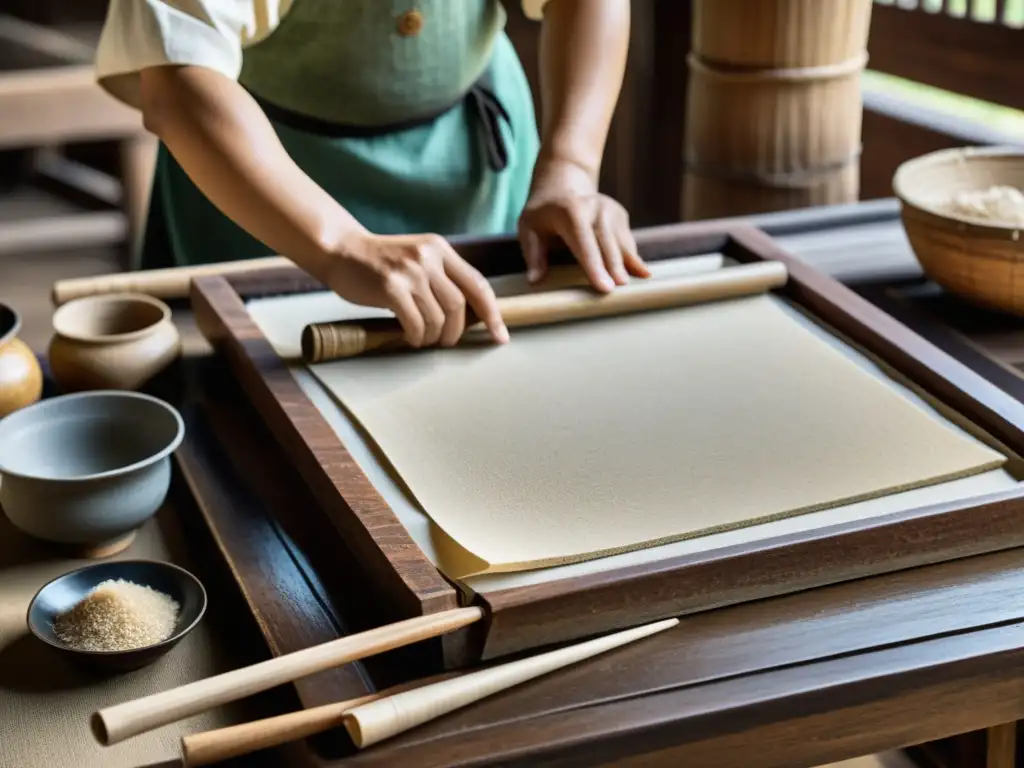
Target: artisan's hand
422 280
565 205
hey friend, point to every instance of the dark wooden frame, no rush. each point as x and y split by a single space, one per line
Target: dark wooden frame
527 617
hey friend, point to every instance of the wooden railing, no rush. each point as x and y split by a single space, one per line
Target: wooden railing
972 48
975 47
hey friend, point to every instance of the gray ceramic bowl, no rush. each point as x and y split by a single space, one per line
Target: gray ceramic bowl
86 470
65 591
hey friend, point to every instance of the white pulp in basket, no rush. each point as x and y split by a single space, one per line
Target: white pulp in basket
998 204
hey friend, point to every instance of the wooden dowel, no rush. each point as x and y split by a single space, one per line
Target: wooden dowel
221 744
119 722
375 721
322 342
169 283
215 746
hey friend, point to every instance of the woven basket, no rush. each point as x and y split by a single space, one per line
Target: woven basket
773 121
712 197
982 262
780 33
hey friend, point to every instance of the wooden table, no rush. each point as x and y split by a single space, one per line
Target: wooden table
792 682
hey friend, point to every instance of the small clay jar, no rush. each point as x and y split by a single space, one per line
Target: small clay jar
21 378
118 341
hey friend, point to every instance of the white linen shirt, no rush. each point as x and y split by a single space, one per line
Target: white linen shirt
209 33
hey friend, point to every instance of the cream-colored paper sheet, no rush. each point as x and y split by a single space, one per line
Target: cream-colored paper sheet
592 465
423 531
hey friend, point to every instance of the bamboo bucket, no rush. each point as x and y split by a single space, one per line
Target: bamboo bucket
780 33
707 196
773 121
981 261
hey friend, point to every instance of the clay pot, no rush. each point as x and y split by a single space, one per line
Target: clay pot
118 341
21 378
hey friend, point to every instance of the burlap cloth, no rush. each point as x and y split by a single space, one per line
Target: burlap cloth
46 702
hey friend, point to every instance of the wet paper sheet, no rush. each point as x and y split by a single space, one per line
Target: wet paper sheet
587 439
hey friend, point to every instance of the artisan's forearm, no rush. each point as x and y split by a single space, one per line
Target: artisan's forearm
584 44
227 146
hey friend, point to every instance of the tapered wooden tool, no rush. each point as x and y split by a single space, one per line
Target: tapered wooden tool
383 718
322 342
221 744
119 722
169 283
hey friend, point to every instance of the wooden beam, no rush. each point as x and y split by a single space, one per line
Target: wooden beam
50 42
68 231
60 105
1002 746
895 131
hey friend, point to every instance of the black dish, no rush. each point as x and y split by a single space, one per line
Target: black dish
65 591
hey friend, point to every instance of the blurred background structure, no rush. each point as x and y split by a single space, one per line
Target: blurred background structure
75 165
718 117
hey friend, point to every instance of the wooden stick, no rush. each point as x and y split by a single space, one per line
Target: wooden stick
175 282
383 718
169 283
322 342
221 744
121 721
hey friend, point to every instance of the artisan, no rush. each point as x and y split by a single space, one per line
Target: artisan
353 136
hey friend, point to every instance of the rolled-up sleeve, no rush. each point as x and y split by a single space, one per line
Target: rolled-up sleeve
534 9
147 33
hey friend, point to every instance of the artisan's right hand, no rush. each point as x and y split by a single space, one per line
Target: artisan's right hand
422 280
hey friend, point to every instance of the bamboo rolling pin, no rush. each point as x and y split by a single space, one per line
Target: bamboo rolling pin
169 283
402 706
121 721
221 744
322 342
374 721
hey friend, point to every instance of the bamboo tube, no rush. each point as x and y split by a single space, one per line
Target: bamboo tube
375 721
121 721
780 33
175 282
169 283
322 342
221 744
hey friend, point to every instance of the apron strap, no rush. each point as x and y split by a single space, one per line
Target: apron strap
485 107
490 112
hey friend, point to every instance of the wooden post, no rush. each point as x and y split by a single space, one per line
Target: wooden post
1002 746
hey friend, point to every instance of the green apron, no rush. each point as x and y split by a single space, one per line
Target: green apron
432 131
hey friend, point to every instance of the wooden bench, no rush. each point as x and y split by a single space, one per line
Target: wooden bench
49 99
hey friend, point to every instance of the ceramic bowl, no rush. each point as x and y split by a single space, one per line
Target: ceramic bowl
21 378
65 591
116 341
86 470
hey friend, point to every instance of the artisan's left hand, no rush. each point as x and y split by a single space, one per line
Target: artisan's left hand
565 204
